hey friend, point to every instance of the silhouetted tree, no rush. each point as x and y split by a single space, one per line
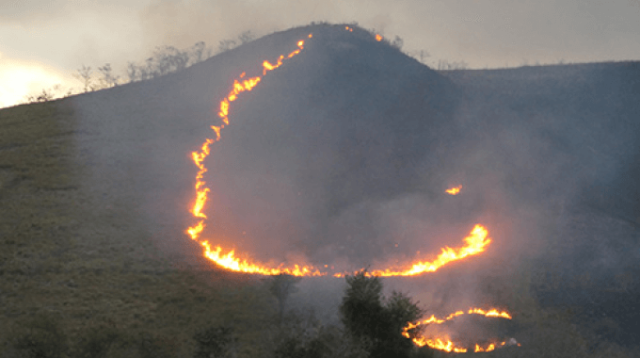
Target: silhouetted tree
282 286
108 78
226 45
367 316
197 52
84 75
246 36
132 71
398 42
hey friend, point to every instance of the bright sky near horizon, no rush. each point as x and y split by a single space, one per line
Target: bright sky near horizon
44 42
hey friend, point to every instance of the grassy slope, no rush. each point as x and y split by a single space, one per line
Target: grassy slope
88 268
56 258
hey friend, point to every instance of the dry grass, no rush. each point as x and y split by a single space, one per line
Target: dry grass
87 270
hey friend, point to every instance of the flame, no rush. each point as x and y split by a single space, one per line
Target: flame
444 343
348 28
378 37
454 191
439 344
228 260
475 243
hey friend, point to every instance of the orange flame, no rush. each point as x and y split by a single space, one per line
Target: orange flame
232 263
454 190
228 260
378 37
444 344
475 243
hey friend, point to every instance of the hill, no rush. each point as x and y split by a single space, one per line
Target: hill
340 157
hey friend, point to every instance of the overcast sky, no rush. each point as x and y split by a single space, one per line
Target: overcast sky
43 42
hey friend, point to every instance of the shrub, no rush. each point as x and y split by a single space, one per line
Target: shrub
368 317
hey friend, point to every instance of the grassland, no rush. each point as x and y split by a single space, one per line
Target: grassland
59 260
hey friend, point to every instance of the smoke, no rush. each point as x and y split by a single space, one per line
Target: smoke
342 156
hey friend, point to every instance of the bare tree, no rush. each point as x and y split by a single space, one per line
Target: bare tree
169 59
108 78
132 71
197 52
226 45
398 42
282 286
446 65
423 55
148 71
84 75
246 36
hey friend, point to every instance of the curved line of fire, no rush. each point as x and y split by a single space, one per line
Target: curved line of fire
475 243
445 344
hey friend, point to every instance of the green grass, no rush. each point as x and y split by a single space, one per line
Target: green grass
57 258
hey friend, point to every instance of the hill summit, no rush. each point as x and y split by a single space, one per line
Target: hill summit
344 125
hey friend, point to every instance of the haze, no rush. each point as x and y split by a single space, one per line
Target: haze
43 42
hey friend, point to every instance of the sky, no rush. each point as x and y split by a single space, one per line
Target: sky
44 42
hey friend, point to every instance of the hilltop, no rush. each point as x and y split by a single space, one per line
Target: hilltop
350 143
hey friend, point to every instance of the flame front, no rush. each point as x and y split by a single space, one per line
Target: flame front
454 191
475 243
444 343
228 260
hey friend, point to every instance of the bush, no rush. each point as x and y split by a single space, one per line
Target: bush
370 318
282 286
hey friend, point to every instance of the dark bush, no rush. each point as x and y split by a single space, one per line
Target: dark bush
368 317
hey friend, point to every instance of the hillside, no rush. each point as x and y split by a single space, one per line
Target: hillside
341 157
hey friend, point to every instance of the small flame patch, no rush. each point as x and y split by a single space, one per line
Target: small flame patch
454 191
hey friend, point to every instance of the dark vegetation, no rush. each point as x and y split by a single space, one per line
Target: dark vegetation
84 274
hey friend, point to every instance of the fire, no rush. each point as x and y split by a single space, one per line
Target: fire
454 191
229 260
475 243
444 343
477 311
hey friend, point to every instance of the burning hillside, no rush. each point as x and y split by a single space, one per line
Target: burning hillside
346 154
284 168
475 243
